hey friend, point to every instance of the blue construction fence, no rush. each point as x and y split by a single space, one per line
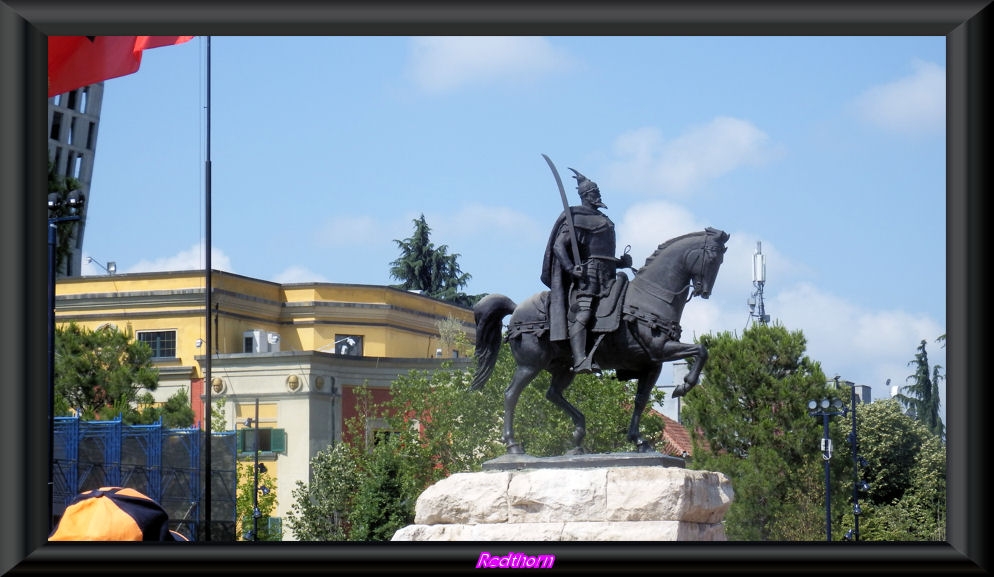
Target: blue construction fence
166 464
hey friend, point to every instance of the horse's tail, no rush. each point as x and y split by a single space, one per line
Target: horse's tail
488 313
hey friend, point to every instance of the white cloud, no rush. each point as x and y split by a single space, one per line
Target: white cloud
647 162
861 345
297 274
349 230
867 346
440 64
647 225
477 220
913 104
190 259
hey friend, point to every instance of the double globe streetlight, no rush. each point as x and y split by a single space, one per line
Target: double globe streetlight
825 409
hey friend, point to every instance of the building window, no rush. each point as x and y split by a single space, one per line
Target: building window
76 168
91 135
270 440
56 125
350 345
163 343
378 431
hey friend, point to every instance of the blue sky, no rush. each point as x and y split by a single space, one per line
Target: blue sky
830 151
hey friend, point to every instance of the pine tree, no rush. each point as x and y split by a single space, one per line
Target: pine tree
922 399
432 270
748 419
101 373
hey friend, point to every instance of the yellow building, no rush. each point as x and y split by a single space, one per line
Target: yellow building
299 350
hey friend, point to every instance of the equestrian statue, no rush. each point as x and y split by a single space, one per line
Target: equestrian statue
634 324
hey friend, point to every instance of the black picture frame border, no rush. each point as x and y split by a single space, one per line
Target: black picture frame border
24 25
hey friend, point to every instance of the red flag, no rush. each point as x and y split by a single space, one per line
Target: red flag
76 61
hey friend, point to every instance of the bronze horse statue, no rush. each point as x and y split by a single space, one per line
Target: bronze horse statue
636 332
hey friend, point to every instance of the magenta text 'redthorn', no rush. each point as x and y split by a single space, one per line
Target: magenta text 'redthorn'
515 561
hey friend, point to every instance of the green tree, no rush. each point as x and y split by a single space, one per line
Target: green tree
748 419
906 471
452 336
368 493
245 503
320 506
922 399
423 266
218 420
175 413
101 373
390 485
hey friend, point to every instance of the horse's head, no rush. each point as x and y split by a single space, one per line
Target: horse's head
708 260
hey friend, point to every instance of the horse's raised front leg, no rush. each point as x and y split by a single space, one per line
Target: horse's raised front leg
675 350
645 384
561 378
522 376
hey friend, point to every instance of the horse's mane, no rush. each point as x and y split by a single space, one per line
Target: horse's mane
671 241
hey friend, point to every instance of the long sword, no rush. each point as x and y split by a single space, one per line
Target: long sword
569 213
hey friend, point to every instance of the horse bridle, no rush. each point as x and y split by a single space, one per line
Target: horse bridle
705 258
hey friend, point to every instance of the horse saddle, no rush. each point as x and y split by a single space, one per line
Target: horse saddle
607 318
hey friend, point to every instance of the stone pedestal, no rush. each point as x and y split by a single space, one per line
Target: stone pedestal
613 497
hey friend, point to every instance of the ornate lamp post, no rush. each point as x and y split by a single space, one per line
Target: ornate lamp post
858 485
255 485
72 204
825 409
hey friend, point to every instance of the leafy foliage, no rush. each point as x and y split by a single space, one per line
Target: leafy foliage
425 267
245 503
175 413
906 470
218 419
440 427
922 400
64 230
748 419
319 508
452 336
101 373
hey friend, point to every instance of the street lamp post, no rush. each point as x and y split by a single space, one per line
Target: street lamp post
73 201
255 485
858 485
822 409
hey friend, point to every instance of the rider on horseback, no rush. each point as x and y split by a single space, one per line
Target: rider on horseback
585 282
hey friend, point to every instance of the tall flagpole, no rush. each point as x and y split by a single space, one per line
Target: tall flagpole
207 312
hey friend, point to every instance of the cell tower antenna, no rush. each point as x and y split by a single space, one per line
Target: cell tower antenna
758 281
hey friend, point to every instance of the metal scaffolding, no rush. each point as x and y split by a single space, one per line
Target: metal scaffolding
165 464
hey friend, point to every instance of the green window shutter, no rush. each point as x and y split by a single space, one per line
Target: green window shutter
277 441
